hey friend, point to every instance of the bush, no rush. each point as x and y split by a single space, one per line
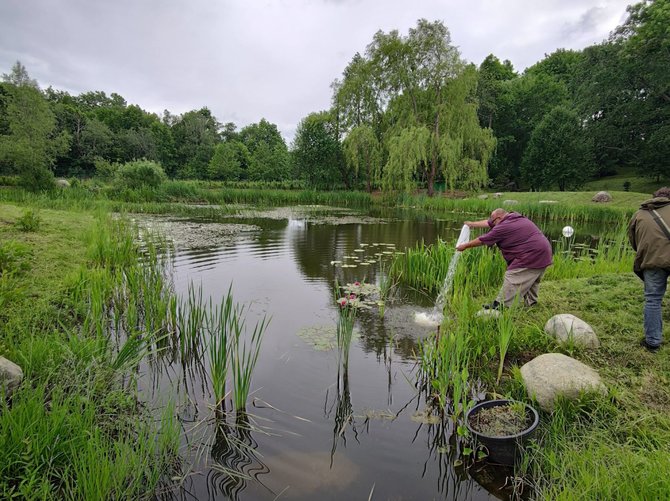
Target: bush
104 169
140 174
30 221
37 179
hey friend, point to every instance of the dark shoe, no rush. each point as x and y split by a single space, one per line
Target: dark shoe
648 347
495 305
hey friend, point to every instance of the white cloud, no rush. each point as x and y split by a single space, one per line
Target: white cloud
272 59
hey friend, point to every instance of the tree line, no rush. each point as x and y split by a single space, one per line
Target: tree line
408 112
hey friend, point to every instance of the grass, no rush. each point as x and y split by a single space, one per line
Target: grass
612 447
73 429
51 279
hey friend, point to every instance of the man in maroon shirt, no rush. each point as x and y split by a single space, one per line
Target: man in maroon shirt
525 249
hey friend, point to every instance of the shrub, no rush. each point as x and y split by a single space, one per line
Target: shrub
30 221
140 174
104 169
37 179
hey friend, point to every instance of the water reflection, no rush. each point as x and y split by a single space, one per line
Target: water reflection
235 458
339 450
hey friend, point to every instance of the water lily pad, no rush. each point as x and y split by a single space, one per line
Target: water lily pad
322 337
425 416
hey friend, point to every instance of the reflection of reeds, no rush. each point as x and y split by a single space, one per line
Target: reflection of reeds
236 461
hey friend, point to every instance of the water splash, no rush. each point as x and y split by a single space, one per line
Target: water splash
434 318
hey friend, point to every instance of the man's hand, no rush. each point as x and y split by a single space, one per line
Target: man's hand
462 247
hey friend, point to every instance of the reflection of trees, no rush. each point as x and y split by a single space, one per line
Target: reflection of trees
316 245
376 335
235 458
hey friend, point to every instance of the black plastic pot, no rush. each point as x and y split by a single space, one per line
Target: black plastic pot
503 449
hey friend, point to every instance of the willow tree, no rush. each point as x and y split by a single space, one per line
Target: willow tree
362 152
432 110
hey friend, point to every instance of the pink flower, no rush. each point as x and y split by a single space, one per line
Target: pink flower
343 303
357 283
352 296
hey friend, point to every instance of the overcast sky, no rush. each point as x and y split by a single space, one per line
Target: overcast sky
273 59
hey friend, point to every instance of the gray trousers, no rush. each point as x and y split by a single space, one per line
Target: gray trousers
522 282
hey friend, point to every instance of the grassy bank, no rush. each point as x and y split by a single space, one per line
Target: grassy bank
74 429
613 447
179 197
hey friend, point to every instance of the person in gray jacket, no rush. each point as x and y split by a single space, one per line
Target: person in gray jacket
649 234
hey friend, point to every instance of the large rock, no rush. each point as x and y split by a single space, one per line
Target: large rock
553 374
602 196
62 183
568 328
510 202
483 196
11 376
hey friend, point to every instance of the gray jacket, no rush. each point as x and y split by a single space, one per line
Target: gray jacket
649 241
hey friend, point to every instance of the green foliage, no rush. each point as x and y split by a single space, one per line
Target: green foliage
31 142
317 153
29 221
13 257
229 162
557 153
363 153
407 151
140 174
268 154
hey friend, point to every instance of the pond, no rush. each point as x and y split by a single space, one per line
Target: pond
313 432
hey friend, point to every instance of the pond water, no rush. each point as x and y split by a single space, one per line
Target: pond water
313 432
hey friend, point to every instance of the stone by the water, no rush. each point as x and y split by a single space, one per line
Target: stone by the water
552 374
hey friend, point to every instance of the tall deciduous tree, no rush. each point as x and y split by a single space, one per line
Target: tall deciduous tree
489 87
195 134
32 143
557 153
363 152
268 154
317 153
431 95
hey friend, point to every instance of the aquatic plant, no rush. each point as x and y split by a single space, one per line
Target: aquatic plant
244 357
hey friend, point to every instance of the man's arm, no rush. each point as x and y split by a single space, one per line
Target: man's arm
472 243
484 223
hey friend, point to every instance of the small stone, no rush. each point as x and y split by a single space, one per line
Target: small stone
483 196
568 328
602 197
510 202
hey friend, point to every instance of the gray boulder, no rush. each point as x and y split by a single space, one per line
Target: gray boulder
510 202
497 195
552 374
566 328
483 196
601 197
62 183
11 376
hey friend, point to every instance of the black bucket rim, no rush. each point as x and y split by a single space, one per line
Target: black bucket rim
497 403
